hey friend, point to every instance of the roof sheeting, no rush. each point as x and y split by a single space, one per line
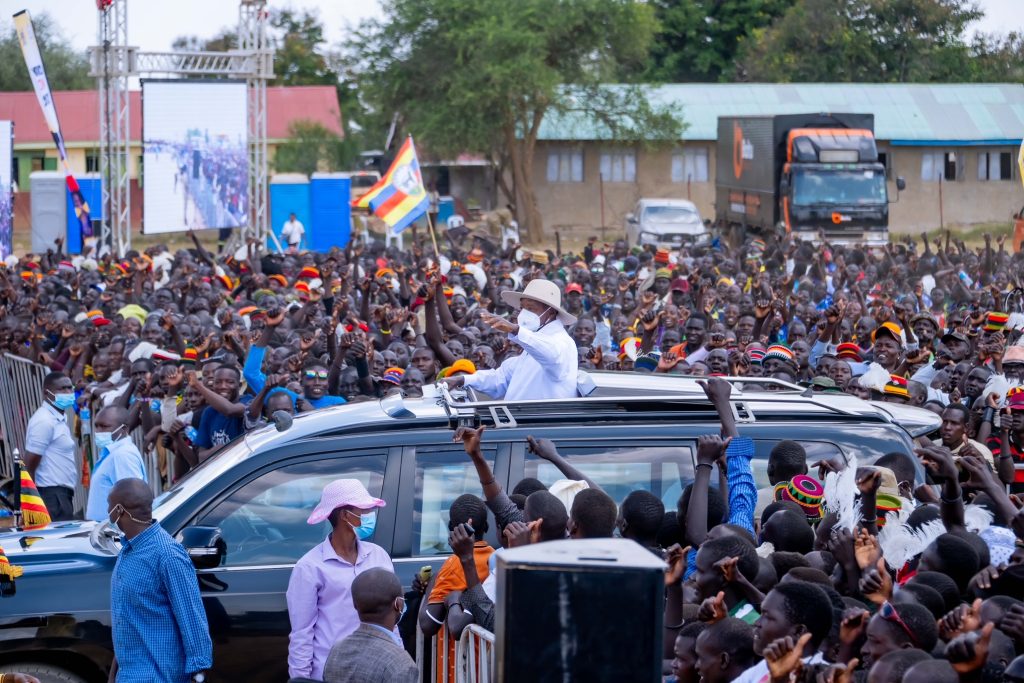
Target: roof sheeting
78 112
904 112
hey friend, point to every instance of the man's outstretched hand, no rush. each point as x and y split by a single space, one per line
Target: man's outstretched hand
470 438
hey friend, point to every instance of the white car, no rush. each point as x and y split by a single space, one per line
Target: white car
671 222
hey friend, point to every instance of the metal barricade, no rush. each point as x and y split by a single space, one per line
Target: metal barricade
474 656
21 392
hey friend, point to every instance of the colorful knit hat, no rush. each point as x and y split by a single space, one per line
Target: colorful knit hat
995 322
247 310
850 351
661 256
897 386
384 272
34 514
780 352
393 376
1015 398
302 288
309 273
279 279
663 273
190 355
756 353
806 492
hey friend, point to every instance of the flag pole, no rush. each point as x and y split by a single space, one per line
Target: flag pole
433 238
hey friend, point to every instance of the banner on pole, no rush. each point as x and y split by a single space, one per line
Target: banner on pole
6 188
37 74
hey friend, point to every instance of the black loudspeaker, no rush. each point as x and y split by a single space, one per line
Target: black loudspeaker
587 610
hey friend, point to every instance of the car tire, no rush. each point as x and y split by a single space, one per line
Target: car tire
44 672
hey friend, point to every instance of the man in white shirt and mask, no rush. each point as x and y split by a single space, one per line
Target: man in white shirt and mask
293 233
548 366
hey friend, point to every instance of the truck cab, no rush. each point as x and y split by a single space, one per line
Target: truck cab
803 174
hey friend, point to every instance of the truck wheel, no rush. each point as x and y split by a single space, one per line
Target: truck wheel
44 672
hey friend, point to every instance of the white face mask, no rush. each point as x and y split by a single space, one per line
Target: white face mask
528 320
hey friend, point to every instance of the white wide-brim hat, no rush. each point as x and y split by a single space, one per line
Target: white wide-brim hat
544 291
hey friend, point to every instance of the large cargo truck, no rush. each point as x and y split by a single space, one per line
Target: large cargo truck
802 174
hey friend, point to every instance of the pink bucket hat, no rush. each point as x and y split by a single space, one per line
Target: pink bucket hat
343 493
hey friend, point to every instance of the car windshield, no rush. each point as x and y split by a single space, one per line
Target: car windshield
197 478
818 187
670 214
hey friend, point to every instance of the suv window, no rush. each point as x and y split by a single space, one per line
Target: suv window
443 473
816 450
264 521
662 470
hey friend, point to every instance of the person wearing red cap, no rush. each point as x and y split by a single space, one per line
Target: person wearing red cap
1007 442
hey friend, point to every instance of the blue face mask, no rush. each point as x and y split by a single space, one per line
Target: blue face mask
64 401
103 440
367 524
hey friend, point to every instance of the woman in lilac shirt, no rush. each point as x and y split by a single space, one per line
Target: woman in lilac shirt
319 591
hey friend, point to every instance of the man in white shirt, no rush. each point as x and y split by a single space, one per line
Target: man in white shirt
117 458
549 364
50 449
293 233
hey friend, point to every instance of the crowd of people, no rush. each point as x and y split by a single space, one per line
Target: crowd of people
838 572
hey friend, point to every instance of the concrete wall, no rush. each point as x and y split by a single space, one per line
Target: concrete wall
578 204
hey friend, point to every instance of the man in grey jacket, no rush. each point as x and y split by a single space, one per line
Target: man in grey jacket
374 652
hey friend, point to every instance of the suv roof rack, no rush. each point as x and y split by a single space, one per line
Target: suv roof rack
685 396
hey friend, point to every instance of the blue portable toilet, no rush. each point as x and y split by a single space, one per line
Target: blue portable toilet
329 195
91 186
445 210
289 193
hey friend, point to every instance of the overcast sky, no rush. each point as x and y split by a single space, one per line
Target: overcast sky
154 24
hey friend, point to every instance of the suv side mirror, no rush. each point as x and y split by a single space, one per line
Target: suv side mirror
901 183
631 218
204 545
282 420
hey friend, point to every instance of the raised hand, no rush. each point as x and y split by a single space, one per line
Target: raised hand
968 651
784 656
461 541
470 438
938 460
710 447
713 609
876 582
866 549
542 448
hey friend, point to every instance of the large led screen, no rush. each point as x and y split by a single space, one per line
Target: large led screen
195 162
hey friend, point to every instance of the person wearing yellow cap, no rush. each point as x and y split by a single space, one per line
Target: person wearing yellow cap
549 364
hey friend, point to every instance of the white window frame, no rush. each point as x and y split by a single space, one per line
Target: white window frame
618 166
565 165
691 164
933 164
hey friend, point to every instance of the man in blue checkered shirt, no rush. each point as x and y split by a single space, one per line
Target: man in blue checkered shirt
159 626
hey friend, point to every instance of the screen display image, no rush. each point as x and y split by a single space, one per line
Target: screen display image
6 196
195 163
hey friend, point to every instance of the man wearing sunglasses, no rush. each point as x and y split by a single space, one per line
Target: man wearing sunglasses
897 627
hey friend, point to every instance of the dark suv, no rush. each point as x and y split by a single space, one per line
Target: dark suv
634 431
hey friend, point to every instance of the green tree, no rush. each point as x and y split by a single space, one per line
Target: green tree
483 76
66 68
310 148
698 40
889 41
299 54
226 39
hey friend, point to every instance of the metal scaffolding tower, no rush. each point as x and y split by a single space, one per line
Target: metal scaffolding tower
111 64
114 62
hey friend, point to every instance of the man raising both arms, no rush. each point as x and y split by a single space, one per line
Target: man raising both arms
548 366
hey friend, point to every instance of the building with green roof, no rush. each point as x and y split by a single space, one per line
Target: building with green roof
955 144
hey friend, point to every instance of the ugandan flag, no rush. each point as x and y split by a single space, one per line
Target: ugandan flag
8 570
33 511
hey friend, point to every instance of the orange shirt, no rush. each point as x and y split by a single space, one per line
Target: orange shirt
451 578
